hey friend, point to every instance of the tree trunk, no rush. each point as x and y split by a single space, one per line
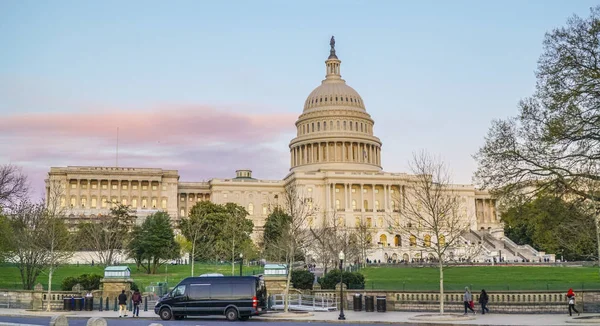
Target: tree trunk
441 286
50 272
286 291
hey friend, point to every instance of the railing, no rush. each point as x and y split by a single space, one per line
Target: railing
475 234
301 302
368 210
516 246
489 242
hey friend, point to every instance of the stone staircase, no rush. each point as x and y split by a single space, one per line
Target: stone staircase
493 247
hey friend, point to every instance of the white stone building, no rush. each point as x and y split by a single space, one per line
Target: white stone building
335 158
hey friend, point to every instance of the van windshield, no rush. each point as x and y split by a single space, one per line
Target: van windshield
178 291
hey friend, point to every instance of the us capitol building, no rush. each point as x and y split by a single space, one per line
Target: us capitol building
335 158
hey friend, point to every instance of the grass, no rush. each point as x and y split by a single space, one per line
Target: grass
10 277
492 278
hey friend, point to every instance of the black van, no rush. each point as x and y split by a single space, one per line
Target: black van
236 297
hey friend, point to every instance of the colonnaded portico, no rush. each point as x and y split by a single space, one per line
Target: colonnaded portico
335 158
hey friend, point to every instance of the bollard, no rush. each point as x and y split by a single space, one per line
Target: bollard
100 303
116 307
145 303
106 307
96 321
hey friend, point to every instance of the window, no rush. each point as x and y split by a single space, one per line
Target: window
264 209
144 202
93 205
154 202
94 185
114 186
63 201
73 201
369 238
144 187
164 187
353 204
224 291
225 196
337 189
369 222
413 240
427 240
337 204
84 186
73 185
364 191
124 186
383 240
83 201
397 241
366 204
309 189
182 198
344 125
353 190
376 191
250 209
163 203
357 221
124 201
182 212
380 222
134 203
113 201
377 204
104 186
313 127
199 291
134 186
179 291
393 205
191 198
154 187
103 202
318 126
442 241
341 221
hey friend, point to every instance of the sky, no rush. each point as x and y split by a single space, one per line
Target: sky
208 87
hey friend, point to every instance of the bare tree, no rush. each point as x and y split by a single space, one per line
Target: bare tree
432 219
56 239
108 234
14 186
328 239
297 236
363 237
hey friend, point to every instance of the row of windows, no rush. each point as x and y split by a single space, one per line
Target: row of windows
105 202
333 99
365 204
340 125
412 241
115 186
265 209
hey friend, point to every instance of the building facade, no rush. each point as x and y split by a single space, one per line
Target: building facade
335 158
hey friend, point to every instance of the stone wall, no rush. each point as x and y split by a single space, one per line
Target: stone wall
500 302
34 299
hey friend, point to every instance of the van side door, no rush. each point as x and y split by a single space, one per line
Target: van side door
179 301
198 299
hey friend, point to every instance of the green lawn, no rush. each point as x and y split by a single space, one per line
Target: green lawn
11 279
494 278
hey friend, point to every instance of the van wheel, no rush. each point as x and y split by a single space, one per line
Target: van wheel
165 314
231 314
244 318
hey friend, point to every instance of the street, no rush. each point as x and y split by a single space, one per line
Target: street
75 321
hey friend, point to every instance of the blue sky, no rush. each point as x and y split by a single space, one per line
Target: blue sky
432 74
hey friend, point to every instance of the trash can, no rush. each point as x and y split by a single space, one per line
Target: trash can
78 304
381 303
89 303
357 302
66 304
369 304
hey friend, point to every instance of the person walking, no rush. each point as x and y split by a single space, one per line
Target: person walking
468 300
571 298
483 300
137 299
122 304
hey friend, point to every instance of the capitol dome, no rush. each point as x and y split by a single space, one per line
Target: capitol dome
334 130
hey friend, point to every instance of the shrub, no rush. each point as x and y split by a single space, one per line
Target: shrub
302 279
88 282
135 287
353 280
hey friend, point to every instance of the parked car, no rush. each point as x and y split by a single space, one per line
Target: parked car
236 297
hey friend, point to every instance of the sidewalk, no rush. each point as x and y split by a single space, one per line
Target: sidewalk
354 317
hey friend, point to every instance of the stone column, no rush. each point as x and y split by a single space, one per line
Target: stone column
347 196
334 151
385 197
327 197
373 191
333 196
362 200
343 152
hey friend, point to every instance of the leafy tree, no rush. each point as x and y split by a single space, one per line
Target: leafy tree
201 228
552 224
353 280
553 144
108 234
153 242
235 233
276 227
87 281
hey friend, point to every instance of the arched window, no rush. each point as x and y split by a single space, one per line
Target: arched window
380 222
427 240
303 129
350 125
341 221
154 202
344 125
144 202
353 204
250 209
264 209
413 240
182 213
442 241
73 201
337 204
338 125
93 202
397 241
83 201
124 201
383 240
318 126
369 222
369 238
324 125
63 201
377 204
366 204
313 127
134 203
356 126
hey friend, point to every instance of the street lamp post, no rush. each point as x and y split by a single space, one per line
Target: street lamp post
341 256
241 262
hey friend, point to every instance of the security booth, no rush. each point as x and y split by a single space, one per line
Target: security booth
275 270
117 272
116 279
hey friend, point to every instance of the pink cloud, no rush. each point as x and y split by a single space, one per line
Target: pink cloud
201 142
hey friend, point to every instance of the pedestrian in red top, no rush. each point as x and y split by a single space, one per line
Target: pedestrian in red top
571 298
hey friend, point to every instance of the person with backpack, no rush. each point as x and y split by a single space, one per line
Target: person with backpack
468 300
137 299
483 300
571 298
